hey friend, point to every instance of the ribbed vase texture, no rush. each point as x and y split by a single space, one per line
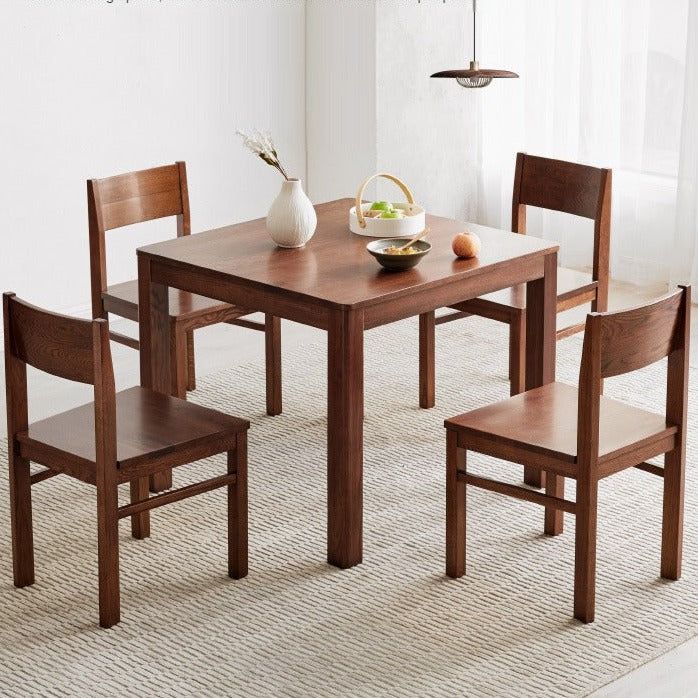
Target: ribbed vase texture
291 220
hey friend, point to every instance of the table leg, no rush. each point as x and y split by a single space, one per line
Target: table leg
272 356
541 316
345 395
427 360
154 337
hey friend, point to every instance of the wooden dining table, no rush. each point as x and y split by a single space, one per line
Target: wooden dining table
334 284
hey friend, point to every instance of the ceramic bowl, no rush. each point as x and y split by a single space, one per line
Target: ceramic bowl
397 262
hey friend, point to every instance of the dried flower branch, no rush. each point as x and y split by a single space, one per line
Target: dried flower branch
261 144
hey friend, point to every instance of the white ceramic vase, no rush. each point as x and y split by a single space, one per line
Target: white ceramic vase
291 220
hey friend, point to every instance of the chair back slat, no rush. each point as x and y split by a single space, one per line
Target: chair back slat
620 342
140 196
57 344
632 339
126 199
559 185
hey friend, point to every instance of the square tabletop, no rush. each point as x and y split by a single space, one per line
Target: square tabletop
334 268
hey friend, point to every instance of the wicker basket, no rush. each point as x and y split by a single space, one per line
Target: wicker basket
409 226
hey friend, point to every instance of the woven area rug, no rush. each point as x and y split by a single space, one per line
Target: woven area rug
393 626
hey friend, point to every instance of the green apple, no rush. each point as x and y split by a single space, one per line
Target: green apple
381 206
392 214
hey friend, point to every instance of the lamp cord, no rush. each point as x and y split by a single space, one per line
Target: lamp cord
474 16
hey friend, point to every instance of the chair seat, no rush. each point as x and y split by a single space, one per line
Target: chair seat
570 283
544 420
149 425
122 300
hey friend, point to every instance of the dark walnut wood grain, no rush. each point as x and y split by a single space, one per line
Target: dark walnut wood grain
627 346
556 185
136 197
120 437
149 426
53 344
335 285
122 299
544 421
579 433
559 186
570 284
334 268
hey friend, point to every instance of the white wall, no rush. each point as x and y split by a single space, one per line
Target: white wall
340 96
427 129
371 105
91 89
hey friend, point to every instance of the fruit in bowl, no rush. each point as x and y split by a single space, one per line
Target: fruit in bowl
384 209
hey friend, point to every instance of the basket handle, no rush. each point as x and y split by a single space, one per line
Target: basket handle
405 189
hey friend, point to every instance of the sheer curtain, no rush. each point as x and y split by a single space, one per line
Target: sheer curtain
685 241
601 83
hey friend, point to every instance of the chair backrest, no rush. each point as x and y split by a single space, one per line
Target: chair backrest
131 198
62 346
620 342
568 187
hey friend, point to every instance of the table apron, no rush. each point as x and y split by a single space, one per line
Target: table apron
457 291
238 293
383 312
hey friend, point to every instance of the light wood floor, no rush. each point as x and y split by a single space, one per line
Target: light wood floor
673 674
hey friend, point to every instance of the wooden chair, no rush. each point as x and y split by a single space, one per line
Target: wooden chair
559 186
579 433
146 195
122 437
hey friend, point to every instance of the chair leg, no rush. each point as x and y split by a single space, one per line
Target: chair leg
534 477
272 351
191 362
237 510
159 482
21 521
178 377
427 360
600 305
585 550
108 553
517 379
455 507
672 519
517 353
178 361
140 523
554 518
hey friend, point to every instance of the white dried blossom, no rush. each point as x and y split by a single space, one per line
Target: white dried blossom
261 144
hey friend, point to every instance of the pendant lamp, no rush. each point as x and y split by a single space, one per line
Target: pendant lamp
475 76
